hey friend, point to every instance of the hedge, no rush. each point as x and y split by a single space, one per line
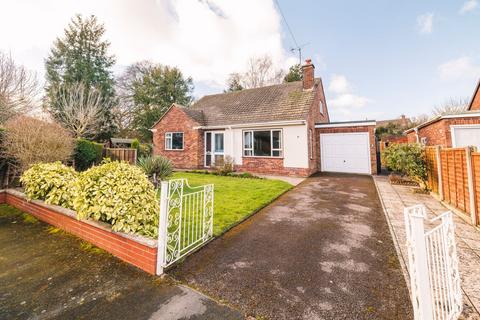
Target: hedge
87 154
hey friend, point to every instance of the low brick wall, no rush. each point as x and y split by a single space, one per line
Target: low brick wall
136 250
272 166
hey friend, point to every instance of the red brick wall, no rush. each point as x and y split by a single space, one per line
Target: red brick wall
273 166
412 137
2 197
369 129
439 133
175 120
135 253
315 116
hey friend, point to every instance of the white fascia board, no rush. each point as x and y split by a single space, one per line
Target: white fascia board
256 124
346 124
462 115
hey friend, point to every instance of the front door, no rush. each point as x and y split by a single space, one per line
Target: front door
214 148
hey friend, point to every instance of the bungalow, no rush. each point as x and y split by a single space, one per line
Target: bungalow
280 129
456 130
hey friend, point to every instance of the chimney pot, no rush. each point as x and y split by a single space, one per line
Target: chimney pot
308 74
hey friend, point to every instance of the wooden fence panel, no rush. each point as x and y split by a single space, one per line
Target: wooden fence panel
455 178
476 180
122 154
432 168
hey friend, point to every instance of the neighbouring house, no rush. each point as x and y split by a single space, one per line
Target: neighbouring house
401 122
456 130
280 129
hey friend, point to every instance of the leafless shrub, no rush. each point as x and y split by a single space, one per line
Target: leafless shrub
18 88
80 109
29 141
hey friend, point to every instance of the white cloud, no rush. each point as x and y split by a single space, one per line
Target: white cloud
468 6
461 68
207 39
425 23
339 84
344 101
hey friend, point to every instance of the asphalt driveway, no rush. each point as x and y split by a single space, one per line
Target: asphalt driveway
322 251
47 274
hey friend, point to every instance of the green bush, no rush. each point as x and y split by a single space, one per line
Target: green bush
87 154
52 182
144 150
157 168
406 159
135 144
119 194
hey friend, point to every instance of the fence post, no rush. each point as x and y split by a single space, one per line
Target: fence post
471 191
162 227
439 172
419 274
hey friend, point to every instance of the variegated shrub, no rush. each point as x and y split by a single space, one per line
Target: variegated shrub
119 194
52 182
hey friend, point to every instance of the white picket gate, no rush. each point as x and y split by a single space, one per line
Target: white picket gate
186 220
433 265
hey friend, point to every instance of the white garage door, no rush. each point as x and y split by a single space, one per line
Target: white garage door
465 136
345 152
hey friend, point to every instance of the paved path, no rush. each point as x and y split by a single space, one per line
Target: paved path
46 274
321 251
395 198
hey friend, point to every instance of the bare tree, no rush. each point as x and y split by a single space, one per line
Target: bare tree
81 109
451 106
415 121
260 72
18 88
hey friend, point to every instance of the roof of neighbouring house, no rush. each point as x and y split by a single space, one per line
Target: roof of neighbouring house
466 114
281 102
121 140
402 121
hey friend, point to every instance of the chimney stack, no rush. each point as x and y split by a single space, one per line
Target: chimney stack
308 74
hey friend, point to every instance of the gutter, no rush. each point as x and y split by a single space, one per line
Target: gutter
255 124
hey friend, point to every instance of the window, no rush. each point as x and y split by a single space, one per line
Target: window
174 141
320 105
262 143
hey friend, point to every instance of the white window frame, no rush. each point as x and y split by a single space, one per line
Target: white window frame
169 138
320 106
272 149
460 126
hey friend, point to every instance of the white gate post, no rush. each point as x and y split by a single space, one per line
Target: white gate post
419 274
162 227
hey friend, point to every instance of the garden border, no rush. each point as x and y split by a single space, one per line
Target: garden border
133 249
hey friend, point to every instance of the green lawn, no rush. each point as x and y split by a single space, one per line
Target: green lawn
235 198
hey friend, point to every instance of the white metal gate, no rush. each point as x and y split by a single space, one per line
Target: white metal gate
186 220
433 265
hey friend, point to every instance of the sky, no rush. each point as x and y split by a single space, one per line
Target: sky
377 59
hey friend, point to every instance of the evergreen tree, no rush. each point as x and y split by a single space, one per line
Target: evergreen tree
81 56
294 73
152 88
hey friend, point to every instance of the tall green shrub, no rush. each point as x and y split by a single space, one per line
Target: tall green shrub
87 153
407 159
52 182
119 194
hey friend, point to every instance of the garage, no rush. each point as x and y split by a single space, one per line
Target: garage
465 135
347 147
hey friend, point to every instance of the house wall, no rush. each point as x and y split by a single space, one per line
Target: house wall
411 137
369 129
175 120
295 160
439 133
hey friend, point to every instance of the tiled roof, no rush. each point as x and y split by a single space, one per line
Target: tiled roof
286 101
